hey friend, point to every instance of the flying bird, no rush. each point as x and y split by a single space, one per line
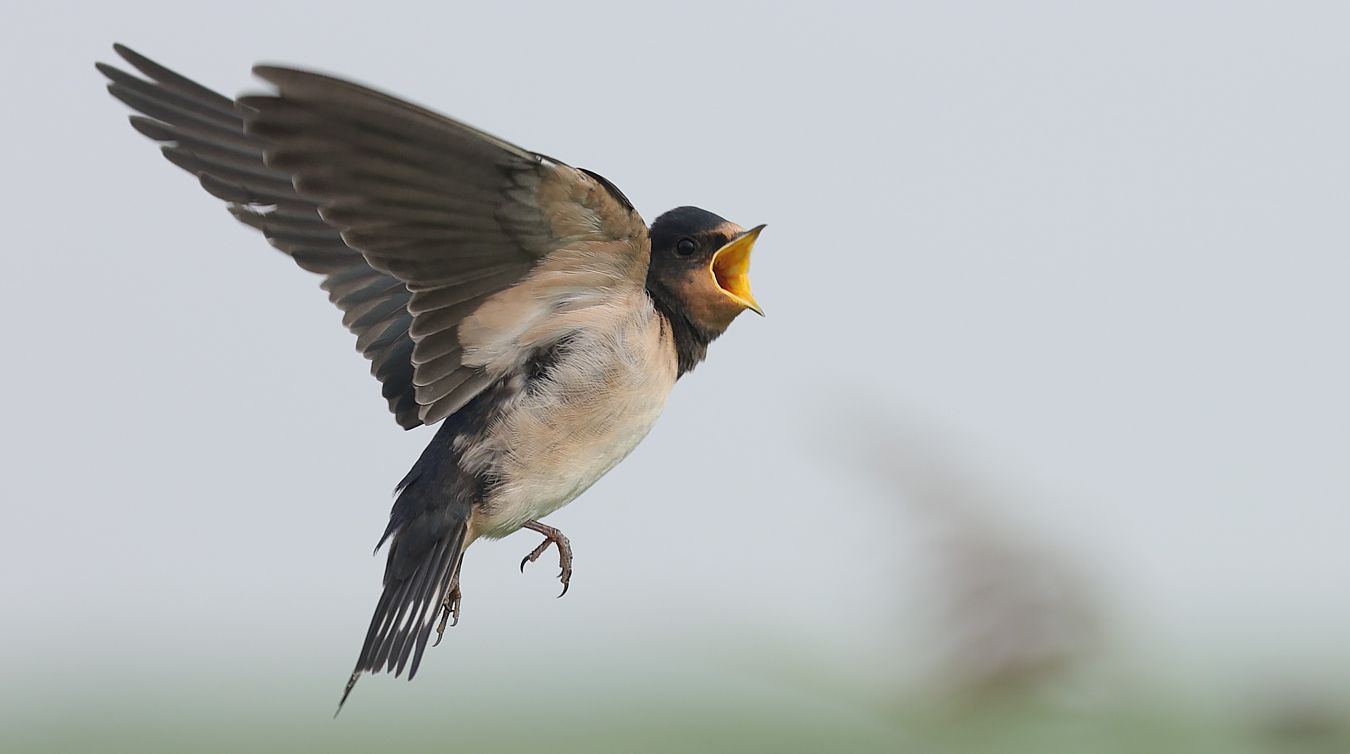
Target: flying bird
519 301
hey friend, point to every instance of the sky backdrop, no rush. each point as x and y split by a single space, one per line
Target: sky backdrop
1090 258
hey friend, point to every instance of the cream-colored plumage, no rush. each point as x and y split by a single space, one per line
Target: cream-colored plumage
564 431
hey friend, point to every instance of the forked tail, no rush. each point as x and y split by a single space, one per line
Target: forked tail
427 531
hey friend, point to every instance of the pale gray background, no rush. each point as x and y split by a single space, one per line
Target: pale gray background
1095 257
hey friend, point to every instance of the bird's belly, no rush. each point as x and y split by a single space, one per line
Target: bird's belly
536 491
600 401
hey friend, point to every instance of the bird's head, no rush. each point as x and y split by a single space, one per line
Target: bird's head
700 268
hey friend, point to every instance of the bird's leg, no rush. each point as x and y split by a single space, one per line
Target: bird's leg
551 537
450 605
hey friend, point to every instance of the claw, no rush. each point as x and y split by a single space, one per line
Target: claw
537 552
446 613
551 537
440 630
449 609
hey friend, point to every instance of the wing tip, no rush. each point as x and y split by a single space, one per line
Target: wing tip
264 71
137 60
280 75
150 128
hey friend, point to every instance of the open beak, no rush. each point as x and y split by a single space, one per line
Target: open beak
730 268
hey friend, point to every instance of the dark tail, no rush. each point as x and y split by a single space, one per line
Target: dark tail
427 529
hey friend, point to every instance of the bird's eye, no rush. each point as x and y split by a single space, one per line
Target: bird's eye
685 247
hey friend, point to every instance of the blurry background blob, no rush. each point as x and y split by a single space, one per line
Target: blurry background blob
1002 614
1042 445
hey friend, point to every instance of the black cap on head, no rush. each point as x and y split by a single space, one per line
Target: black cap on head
682 221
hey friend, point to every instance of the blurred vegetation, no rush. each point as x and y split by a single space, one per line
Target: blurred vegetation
652 714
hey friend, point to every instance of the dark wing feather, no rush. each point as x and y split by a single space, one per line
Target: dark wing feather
203 133
415 219
456 214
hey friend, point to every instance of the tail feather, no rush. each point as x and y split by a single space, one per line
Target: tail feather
427 533
392 654
407 610
390 633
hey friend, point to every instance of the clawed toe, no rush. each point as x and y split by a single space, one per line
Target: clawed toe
449 609
551 537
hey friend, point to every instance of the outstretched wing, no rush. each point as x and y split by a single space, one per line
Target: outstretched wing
420 225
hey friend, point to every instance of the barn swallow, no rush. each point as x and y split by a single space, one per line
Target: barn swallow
519 301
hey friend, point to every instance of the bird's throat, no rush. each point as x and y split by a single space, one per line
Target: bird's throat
691 342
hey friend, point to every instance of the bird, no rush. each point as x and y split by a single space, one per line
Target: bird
521 303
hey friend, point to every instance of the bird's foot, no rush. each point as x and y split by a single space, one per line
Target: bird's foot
449 608
551 537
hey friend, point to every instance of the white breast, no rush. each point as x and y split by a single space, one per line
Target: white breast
599 400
